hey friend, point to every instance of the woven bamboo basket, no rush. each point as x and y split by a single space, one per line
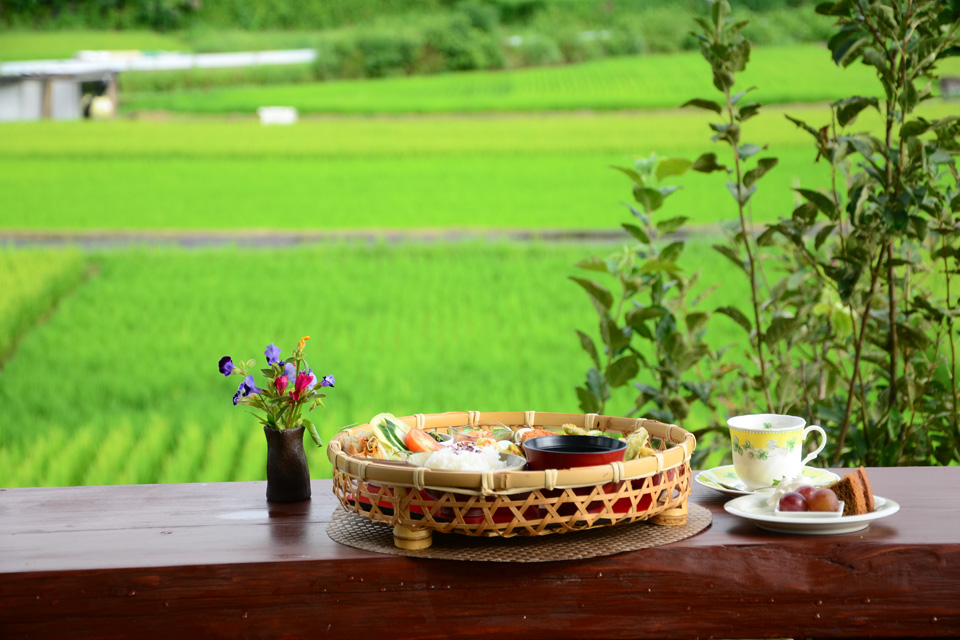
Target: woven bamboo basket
418 501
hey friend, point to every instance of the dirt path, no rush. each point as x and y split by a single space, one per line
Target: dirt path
188 239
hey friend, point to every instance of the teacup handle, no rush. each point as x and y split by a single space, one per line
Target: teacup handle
823 442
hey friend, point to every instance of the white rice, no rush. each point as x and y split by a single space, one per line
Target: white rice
453 459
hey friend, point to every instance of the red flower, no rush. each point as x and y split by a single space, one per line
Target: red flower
304 380
280 384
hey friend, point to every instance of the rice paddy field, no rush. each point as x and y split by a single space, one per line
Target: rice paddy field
107 355
796 73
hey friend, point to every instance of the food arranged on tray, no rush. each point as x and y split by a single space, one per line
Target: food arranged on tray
512 473
474 448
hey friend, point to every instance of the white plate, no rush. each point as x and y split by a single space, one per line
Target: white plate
724 479
756 509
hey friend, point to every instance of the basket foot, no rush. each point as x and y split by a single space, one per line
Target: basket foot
674 517
411 539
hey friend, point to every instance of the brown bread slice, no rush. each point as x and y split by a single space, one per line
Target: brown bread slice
855 492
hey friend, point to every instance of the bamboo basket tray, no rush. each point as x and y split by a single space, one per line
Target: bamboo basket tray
418 501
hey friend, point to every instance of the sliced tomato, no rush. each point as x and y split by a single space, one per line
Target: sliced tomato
419 440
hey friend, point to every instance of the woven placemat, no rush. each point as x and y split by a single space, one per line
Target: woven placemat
356 531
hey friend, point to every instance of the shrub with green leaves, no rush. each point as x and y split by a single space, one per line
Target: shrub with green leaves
652 328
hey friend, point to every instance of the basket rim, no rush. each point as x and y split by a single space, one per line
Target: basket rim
394 473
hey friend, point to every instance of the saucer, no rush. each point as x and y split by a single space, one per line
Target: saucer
756 509
725 480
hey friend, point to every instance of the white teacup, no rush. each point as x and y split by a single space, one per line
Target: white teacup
767 447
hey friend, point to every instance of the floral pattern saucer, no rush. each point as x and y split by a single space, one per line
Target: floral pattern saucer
724 479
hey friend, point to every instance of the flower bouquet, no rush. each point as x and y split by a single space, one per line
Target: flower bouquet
290 386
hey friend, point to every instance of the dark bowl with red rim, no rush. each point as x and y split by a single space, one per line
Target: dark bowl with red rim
567 452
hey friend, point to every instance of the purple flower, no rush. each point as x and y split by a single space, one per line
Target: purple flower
327 381
246 388
226 365
289 370
273 354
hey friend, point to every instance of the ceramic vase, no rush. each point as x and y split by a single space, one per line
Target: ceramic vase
288 476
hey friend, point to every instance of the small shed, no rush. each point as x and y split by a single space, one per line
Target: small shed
53 89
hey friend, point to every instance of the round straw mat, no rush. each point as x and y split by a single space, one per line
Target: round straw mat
356 531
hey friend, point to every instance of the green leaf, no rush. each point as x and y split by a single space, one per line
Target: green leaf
768 238
673 167
735 98
696 320
599 295
587 343
707 163
719 11
636 316
614 336
637 233
741 193
722 80
672 251
779 328
737 316
312 429
747 111
914 128
911 336
630 173
748 150
666 327
850 108
622 371
940 157
823 234
731 255
671 224
648 198
821 201
593 264
763 166
803 125
654 266
846 52
589 403
700 103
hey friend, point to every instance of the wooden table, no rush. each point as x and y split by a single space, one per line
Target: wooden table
216 560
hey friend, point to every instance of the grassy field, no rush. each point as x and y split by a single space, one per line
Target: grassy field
45 45
783 74
121 385
499 172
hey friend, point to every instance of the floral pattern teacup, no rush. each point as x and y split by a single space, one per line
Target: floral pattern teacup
767 447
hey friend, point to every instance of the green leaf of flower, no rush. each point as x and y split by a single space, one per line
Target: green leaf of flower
312 428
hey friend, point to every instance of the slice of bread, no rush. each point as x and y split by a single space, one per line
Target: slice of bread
855 492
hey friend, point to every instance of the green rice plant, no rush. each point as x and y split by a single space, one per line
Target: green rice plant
183 461
222 451
795 73
34 462
251 459
34 280
69 466
144 459
111 454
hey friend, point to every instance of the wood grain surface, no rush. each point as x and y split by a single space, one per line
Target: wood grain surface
216 560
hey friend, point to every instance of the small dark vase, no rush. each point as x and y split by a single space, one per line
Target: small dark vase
288 476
